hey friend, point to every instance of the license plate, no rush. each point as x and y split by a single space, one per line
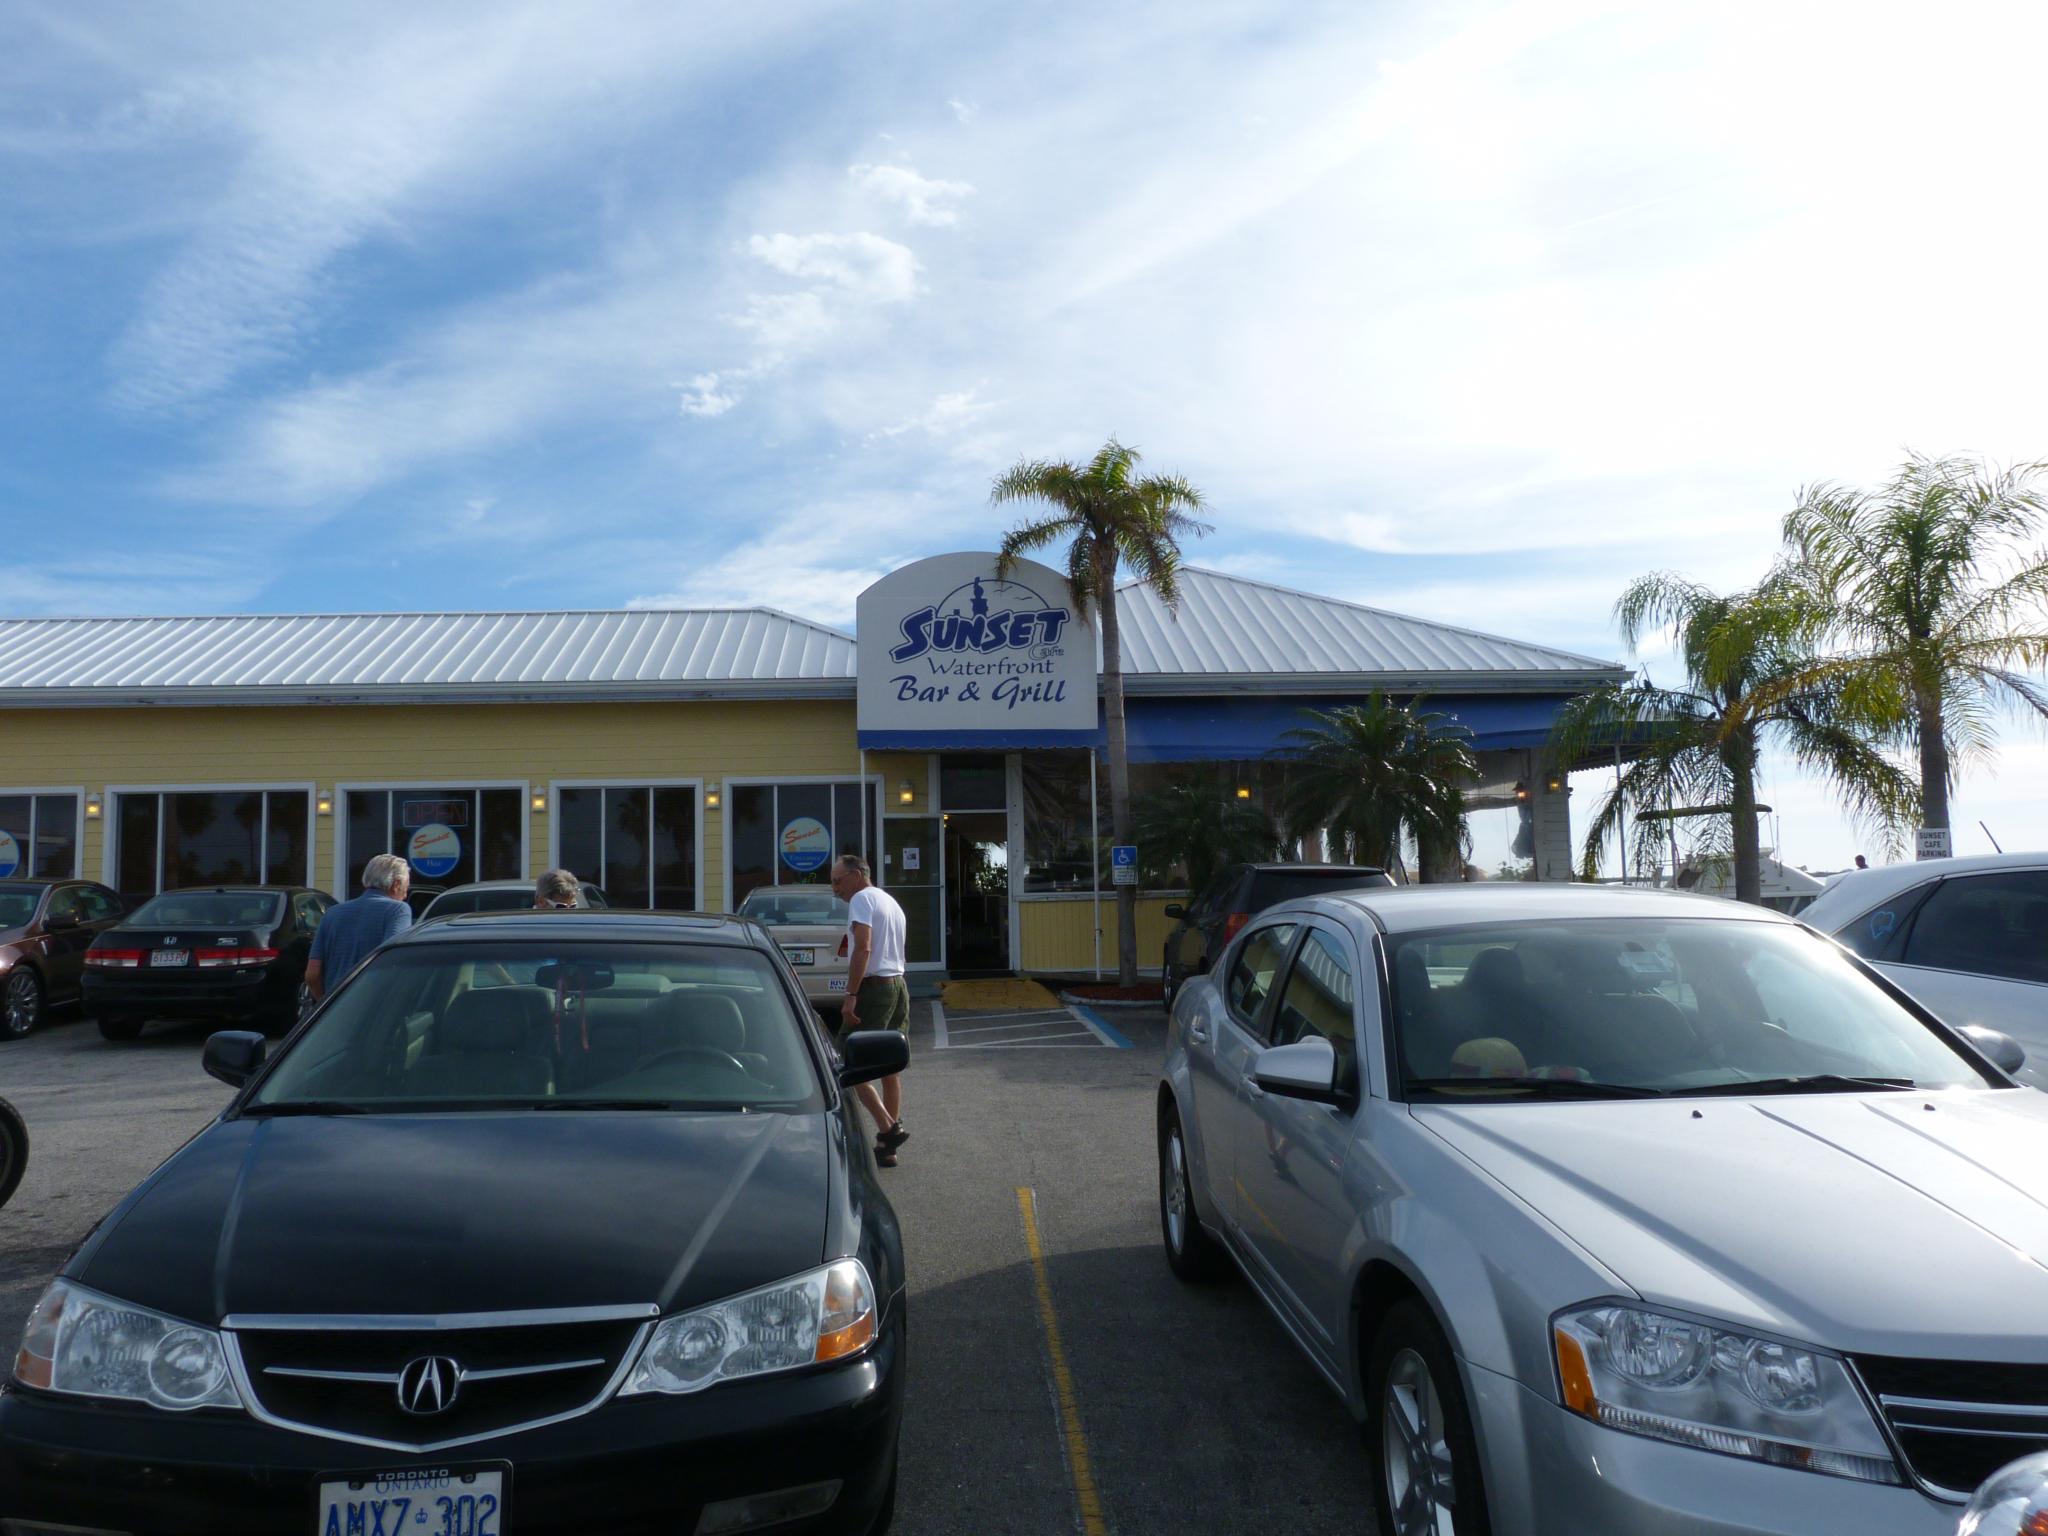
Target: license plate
170 956
445 1501
835 984
802 956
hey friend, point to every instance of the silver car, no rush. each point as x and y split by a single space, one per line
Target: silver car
1617 1211
1967 937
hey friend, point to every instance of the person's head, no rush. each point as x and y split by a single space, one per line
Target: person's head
556 888
849 875
389 874
1861 862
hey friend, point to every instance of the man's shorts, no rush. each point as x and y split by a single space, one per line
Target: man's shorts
884 1003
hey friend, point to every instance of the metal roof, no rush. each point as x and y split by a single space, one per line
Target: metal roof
1231 633
397 657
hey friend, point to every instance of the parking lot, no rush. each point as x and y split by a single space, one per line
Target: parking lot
1084 1389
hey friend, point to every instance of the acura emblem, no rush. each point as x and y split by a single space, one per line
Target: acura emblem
428 1384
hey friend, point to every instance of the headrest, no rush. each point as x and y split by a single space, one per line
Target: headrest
619 1036
1494 969
701 1021
495 1020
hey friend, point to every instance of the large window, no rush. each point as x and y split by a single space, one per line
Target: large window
449 836
164 841
38 835
1167 801
1990 925
635 842
788 834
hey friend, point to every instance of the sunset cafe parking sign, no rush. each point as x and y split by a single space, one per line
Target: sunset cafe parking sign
953 657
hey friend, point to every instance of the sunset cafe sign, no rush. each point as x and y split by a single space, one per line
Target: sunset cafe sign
953 658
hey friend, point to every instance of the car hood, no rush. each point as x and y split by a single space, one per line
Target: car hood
476 1212
1905 1224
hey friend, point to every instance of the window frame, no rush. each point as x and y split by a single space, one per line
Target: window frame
631 781
1933 894
872 783
110 868
1347 954
1910 900
28 854
341 875
1259 1027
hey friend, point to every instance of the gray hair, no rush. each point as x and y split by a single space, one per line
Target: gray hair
559 885
386 871
853 864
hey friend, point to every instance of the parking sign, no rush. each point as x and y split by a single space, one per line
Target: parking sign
1123 864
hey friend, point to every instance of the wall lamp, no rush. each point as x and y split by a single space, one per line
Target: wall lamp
539 802
712 797
904 793
92 807
323 804
1244 791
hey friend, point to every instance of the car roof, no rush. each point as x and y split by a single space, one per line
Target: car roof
1414 908
486 885
586 924
1314 869
1853 891
231 890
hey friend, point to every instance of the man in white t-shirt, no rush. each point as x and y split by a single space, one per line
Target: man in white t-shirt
877 996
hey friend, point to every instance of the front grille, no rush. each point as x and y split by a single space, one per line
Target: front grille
507 1376
1959 1421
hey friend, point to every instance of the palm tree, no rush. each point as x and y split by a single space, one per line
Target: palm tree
1942 605
1363 772
1109 518
1198 824
1699 745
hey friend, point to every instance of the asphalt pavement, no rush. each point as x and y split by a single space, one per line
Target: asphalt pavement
1084 1389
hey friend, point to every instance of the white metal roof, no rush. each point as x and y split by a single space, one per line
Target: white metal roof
1230 634
373 657
1233 633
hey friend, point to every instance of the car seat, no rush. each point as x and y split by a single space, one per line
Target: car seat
486 1048
695 1021
1428 1038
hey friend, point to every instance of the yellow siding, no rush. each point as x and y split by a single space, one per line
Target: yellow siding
1058 935
428 744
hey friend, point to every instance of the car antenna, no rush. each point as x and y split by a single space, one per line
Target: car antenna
1987 833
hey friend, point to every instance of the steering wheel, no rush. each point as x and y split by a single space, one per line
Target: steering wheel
696 1053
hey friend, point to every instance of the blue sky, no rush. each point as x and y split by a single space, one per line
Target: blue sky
1474 311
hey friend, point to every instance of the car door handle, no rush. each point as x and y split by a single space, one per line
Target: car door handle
1198 1034
1253 1091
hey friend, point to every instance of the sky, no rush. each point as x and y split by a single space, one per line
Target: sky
1471 311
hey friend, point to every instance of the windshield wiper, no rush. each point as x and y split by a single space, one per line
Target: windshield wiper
304 1107
1540 1087
1819 1082
662 1104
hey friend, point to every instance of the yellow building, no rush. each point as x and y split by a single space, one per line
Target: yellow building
677 759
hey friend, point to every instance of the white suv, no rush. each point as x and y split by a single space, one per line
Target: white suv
1968 938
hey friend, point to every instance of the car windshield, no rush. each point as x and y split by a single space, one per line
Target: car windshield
1674 1005
546 1025
795 908
208 909
18 904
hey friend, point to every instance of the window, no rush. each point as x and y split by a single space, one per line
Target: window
177 838
66 901
1880 933
308 909
1184 804
1320 996
39 836
1252 973
788 834
636 842
97 905
1990 925
449 836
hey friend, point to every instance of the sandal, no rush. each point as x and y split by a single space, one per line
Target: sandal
893 1137
884 1157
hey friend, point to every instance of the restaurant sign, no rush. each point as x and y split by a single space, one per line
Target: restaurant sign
951 656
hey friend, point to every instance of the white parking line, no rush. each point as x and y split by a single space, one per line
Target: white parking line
938 1025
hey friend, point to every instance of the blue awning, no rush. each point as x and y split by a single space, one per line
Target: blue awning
1196 730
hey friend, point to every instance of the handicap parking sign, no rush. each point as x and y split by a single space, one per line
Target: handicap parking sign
1123 864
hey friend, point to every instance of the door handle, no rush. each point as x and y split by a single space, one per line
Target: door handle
1198 1034
1253 1091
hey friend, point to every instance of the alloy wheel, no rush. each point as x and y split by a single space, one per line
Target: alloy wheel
1422 1487
22 1005
1174 1192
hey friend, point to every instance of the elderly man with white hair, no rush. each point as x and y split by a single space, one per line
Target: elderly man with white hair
350 931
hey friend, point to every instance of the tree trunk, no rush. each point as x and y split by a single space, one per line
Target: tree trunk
1119 770
1933 758
1749 864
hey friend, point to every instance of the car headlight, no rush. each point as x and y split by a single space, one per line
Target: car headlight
1678 1379
93 1346
825 1315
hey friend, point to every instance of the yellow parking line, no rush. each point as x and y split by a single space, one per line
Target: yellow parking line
1092 1523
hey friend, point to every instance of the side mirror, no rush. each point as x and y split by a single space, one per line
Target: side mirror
1176 911
867 1054
57 920
233 1055
2006 1053
1306 1069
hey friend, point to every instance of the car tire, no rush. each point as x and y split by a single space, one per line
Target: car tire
1420 1431
1169 984
13 1150
1191 1253
21 1003
119 1026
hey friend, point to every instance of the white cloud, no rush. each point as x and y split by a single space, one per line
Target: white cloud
923 201
864 266
964 111
950 413
705 396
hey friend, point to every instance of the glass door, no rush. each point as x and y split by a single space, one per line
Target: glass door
912 871
977 891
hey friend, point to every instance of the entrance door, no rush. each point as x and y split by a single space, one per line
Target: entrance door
977 891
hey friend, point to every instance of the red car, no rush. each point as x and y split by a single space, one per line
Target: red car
45 928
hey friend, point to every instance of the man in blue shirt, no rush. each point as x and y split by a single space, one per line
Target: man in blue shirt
350 931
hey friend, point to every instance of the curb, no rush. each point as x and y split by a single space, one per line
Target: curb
1112 1005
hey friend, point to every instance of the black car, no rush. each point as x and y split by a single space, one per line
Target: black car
540 1223
236 953
1236 896
45 926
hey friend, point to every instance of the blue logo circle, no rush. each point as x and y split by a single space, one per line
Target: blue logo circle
435 849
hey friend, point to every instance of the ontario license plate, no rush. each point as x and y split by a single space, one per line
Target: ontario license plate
802 956
835 984
444 1501
170 956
